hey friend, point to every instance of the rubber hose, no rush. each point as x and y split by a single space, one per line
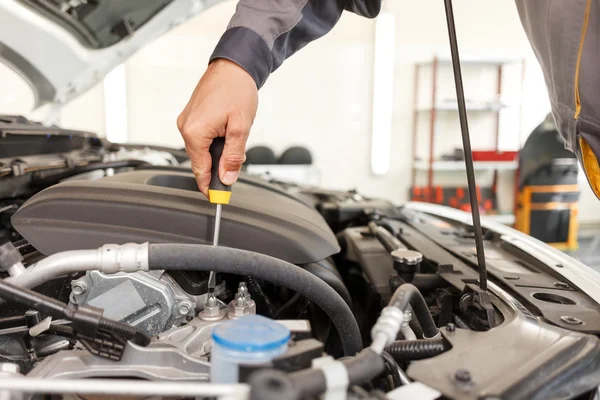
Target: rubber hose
416 327
390 225
409 294
392 368
331 279
363 368
385 237
411 350
284 308
423 282
33 300
190 257
258 294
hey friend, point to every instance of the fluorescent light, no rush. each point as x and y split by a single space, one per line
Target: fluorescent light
383 93
115 105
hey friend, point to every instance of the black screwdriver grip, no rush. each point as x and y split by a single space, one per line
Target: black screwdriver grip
216 150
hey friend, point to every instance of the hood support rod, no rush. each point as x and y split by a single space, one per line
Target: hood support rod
464 127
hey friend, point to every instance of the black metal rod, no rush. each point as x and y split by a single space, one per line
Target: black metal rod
464 127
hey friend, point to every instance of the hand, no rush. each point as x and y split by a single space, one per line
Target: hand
224 103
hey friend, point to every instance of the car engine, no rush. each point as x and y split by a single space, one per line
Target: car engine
105 254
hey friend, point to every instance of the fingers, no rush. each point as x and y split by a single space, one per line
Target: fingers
197 143
224 103
234 153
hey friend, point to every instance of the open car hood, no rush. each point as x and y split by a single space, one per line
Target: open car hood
64 47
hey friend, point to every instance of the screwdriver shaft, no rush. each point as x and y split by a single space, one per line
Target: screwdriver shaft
217 225
212 278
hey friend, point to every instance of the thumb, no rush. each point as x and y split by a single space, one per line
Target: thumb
234 153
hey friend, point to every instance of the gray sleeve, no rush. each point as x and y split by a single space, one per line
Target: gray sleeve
565 37
263 33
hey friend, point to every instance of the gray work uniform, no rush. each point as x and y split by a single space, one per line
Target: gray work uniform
564 34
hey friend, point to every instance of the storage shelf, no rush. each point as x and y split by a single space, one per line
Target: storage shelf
460 165
474 59
470 107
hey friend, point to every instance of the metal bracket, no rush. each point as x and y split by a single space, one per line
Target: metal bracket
475 299
336 377
18 167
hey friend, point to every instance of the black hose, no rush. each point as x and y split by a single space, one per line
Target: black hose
390 225
55 178
331 278
362 368
284 308
420 349
388 240
416 327
259 295
423 282
33 300
191 257
392 367
409 294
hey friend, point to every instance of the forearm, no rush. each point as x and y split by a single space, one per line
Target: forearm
262 34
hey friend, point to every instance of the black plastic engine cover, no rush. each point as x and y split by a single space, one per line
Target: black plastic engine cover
162 206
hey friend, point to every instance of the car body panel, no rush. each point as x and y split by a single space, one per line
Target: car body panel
57 65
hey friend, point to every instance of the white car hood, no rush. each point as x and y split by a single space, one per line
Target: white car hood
57 65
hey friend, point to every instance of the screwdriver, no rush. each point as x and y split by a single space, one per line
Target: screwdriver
219 194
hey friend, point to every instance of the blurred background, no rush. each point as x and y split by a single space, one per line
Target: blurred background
373 102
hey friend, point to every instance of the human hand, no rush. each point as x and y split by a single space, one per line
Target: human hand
224 103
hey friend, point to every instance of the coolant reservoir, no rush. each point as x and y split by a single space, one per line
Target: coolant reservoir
252 339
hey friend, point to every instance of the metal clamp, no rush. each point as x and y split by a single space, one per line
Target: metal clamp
336 376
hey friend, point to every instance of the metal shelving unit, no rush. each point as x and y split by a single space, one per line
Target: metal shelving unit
430 165
460 165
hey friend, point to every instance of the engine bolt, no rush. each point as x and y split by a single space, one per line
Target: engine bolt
211 301
78 288
240 299
243 289
462 376
571 320
450 327
185 307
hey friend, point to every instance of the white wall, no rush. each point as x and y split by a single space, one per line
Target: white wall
321 97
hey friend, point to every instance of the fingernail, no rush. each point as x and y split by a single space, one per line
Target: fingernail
230 177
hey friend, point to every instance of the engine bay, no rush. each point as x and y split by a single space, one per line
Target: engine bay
105 262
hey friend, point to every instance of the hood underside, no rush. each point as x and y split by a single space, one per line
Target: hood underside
64 47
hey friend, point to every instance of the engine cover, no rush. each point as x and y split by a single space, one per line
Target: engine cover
165 206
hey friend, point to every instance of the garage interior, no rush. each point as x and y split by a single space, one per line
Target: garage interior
378 93
349 252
